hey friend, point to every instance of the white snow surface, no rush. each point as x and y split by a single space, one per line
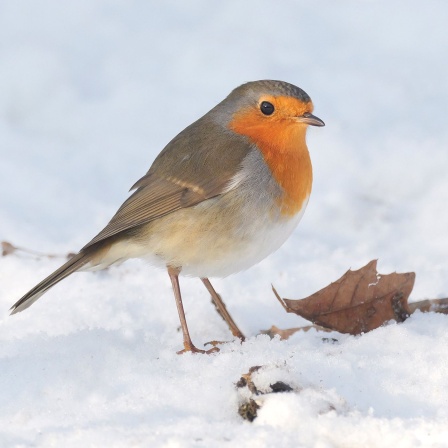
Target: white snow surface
90 92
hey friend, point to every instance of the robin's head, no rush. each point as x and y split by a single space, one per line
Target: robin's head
261 103
268 112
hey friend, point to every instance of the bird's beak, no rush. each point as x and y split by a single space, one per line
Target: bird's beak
310 119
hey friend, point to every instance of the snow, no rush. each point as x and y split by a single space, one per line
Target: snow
90 92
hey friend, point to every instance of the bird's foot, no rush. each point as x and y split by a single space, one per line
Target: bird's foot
189 347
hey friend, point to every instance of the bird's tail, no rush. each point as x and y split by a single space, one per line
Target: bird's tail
65 270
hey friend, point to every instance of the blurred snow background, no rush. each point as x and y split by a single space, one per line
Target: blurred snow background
91 91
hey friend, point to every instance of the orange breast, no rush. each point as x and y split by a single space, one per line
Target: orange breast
282 143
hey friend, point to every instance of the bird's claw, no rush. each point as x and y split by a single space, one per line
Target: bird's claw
191 348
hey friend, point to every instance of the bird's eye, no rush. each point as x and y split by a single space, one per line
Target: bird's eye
267 108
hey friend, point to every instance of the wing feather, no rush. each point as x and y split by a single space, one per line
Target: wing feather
158 198
179 177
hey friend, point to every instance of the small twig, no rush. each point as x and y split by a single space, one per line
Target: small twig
8 249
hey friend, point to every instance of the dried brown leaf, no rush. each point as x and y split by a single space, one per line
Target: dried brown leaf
248 410
358 302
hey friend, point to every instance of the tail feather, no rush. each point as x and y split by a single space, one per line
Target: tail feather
65 270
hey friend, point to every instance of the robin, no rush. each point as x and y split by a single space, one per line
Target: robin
221 196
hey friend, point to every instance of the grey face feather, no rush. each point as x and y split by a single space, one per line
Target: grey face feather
270 87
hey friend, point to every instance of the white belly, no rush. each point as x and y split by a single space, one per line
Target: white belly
209 241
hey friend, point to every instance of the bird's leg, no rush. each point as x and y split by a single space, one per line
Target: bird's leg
222 310
188 344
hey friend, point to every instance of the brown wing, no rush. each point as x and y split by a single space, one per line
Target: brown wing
193 167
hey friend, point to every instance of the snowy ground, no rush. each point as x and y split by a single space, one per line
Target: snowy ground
90 91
